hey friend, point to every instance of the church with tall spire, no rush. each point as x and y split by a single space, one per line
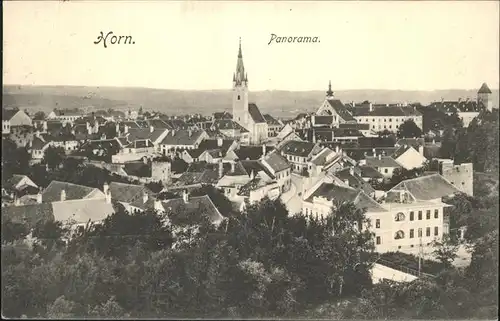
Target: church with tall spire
332 111
247 114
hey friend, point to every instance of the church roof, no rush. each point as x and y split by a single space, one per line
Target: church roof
340 109
484 89
255 113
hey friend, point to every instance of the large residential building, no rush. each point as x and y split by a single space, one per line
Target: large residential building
247 114
299 154
387 117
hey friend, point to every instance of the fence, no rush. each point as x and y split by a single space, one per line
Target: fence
405 269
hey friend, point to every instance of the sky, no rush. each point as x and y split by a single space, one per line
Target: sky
193 45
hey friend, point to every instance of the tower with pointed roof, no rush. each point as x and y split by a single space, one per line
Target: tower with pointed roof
240 91
484 97
329 93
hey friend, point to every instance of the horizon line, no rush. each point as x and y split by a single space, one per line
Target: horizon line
229 89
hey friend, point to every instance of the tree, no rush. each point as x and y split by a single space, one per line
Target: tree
223 204
12 231
39 115
61 309
445 250
409 129
53 156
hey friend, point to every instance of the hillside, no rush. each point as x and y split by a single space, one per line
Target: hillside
277 102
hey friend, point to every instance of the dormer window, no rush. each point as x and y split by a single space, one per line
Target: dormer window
400 217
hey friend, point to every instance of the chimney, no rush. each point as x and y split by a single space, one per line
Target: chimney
221 169
337 149
108 196
145 197
63 195
264 150
421 150
346 181
351 171
185 196
17 201
374 151
433 141
173 132
89 129
117 129
44 126
190 133
371 107
151 129
401 196
39 197
379 157
96 126
252 175
219 141
105 188
158 206
313 136
459 100
232 167
125 129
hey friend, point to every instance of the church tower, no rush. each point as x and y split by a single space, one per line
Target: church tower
240 92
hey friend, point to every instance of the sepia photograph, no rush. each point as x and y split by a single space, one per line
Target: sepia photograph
287 160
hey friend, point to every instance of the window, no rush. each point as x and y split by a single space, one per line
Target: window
428 231
239 97
436 213
399 235
400 217
428 214
419 215
378 240
412 216
377 223
419 232
386 171
436 231
412 233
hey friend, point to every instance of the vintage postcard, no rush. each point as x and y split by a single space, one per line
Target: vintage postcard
250 159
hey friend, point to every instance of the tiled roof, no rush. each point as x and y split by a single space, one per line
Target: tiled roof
251 152
128 193
182 137
384 161
484 89
370 172
323 120
354 180
271 121
256 166
253 185
458 106
361 153
38 143
340 109
276 162
400 151
346 194
428 187
394 111
358 126
14 180
413 142
296 148
227 124
321 157
73 191
200 205
8 113
222 115
254 112
145 133
81 211
158 123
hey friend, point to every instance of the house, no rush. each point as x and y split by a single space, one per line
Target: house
387 117
247 114
139 149
77 212
66 115
193 206
293 136
369 173
21 135
257 189
299 154
64 191
280 169
274 126
232 176
134 198
12 117
351 176
223 145
321 160
37 147
198 174
409 158
364 129
384 164
332 112
284 132
222 115
460 176
19 185
182 139
154 134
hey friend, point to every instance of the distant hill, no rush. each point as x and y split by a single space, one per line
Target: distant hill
276 102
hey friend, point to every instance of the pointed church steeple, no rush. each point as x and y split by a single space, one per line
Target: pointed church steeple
240 76
329 93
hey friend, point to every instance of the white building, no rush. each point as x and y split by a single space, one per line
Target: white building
387 117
